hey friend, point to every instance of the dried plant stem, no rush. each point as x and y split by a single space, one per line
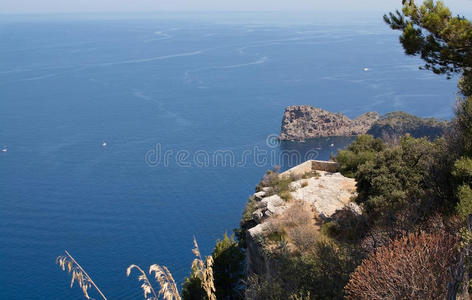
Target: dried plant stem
89 279
163 276
146 286
206 271
168 287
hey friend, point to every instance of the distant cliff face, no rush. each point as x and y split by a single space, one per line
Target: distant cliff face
302 122
305 122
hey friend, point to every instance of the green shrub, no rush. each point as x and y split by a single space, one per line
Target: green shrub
329 229
398 179
250 208
321 272
464 122
464 207
463 175
394 125
192 287
286 195
363 149
463 169
275 236
228 271
228 268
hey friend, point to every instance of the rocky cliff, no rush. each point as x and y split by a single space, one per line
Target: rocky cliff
304 122
316 190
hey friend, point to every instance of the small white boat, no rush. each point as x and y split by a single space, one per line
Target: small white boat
104 144
4 150
366 69
331 145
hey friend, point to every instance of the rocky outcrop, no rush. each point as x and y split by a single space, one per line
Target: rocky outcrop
311 165
323 192
304 122
301 122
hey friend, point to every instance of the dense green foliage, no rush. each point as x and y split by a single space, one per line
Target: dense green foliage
464 124
251 206
363 149
398 179
320 273
228 268
464 207
228 272
463 174
397 124
192 287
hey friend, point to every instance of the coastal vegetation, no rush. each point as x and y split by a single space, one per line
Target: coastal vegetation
413 239
391 126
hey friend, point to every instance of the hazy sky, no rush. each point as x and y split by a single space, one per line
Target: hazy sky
56 6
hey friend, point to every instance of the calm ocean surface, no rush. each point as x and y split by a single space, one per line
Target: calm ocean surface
205 92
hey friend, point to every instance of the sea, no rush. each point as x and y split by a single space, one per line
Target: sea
123 137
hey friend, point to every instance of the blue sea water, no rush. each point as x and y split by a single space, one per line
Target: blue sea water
187 107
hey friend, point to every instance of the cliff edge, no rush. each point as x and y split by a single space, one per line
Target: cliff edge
289 207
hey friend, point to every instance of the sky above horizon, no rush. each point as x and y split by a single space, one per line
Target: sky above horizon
100 6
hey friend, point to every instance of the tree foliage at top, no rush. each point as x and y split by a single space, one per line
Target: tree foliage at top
442 40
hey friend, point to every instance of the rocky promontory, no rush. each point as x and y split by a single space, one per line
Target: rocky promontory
290 206
305 122
301 122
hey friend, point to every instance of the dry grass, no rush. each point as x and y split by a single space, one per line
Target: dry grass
311 174
167 283
84 281
303 237
299 213
301 296
205 270
146 286
168 288
286 195
296 226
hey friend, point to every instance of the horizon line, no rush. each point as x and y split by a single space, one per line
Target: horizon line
184 11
